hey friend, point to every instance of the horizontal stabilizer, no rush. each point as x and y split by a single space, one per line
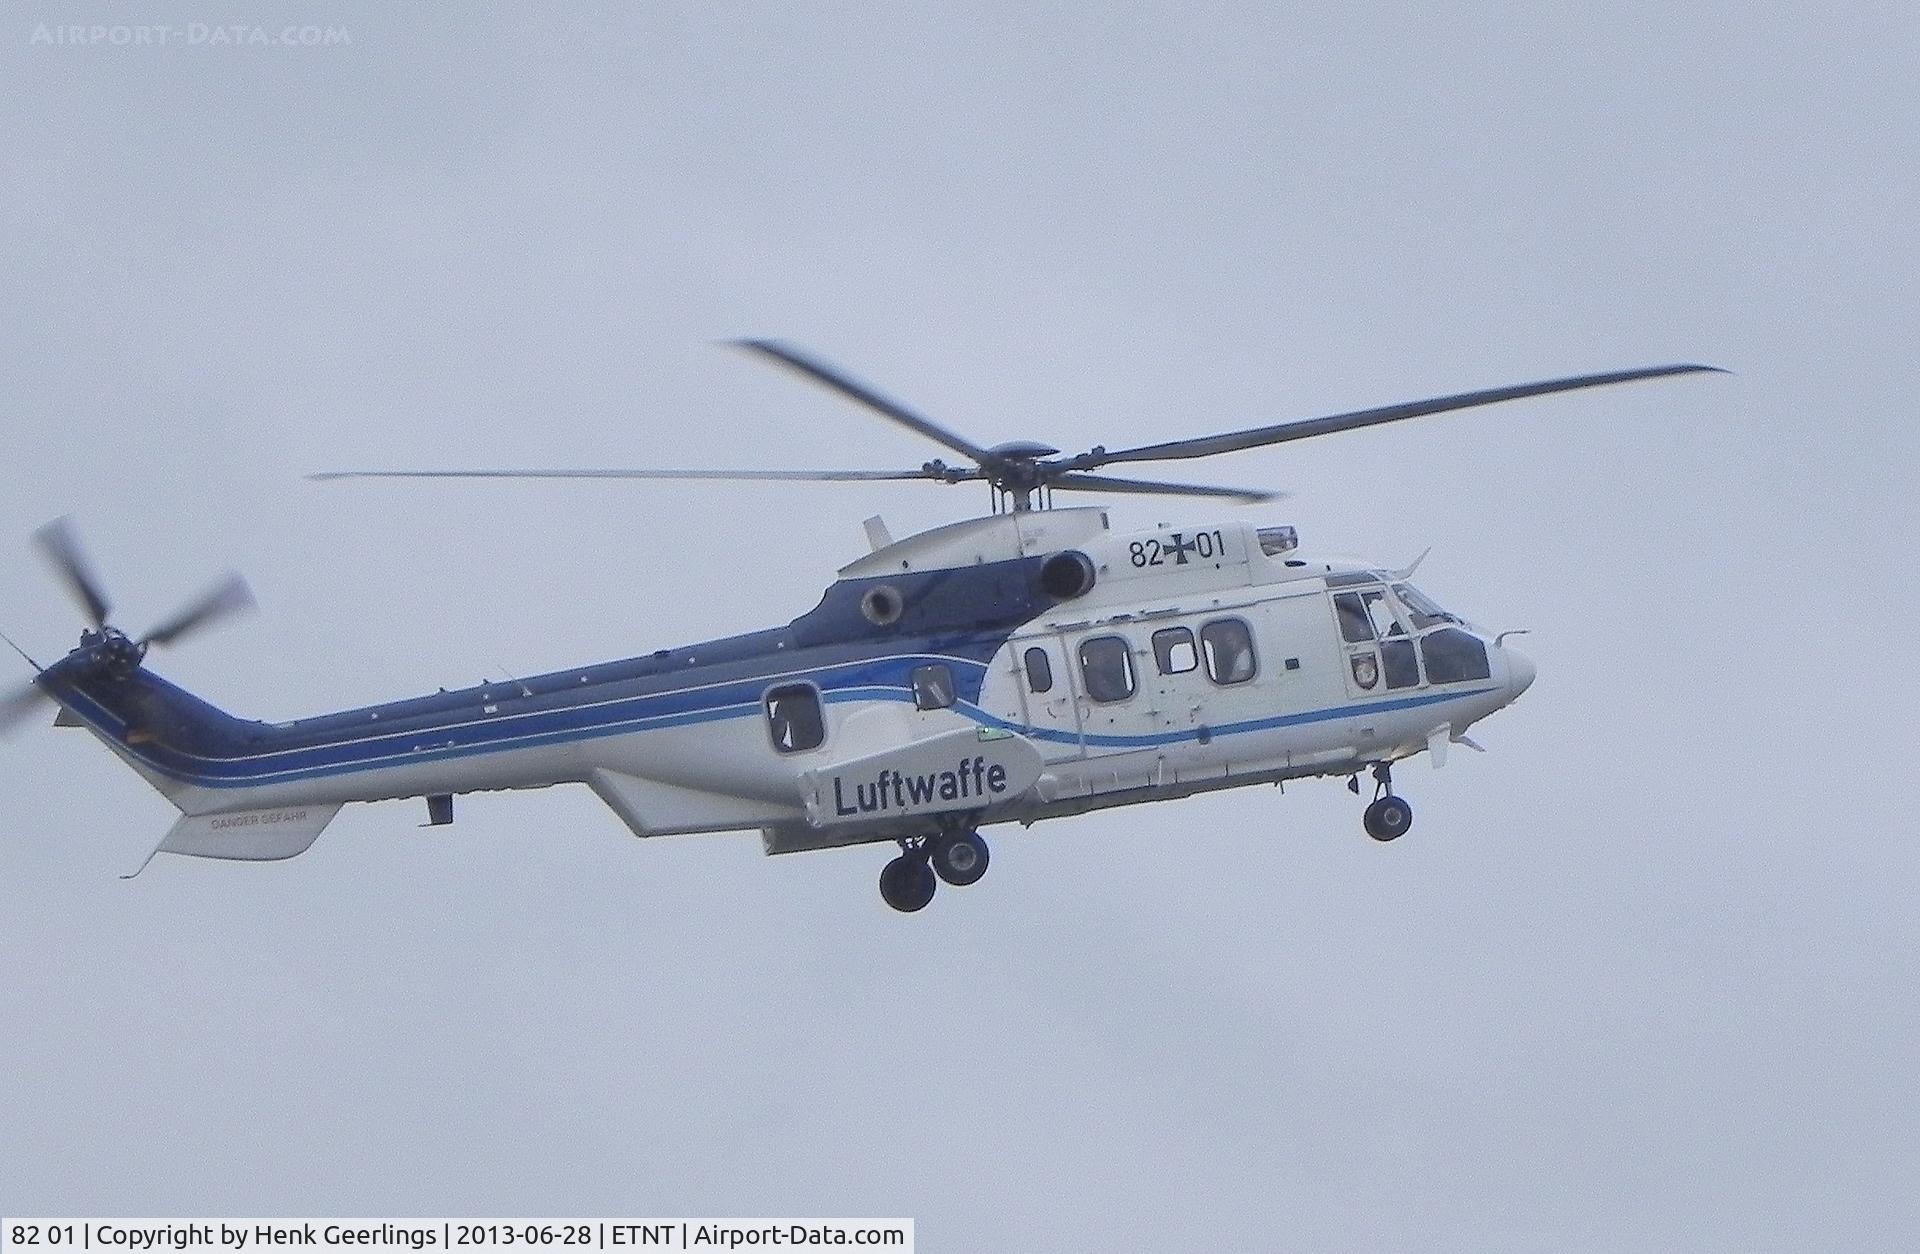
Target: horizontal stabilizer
970 768
247 835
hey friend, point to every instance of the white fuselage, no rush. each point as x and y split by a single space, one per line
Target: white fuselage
1197 660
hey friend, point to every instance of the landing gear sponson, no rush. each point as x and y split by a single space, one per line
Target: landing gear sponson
956 855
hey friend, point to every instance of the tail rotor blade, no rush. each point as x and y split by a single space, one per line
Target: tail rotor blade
226 598
18 705
62 550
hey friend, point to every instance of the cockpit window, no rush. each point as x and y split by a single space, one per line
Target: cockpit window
1453 656
1396 656
1355 626
1421 607
1381 614
1366 616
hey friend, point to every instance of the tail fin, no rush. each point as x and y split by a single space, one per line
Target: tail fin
165 733
170 737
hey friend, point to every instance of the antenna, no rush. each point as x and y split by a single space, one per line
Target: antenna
524 690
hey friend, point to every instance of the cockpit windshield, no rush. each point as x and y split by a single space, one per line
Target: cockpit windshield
1421 607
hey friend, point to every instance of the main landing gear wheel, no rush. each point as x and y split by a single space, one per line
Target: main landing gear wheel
1388 818
959 858
907 883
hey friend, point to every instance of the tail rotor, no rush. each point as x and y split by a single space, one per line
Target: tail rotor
223 600
17 706
106 648
61 548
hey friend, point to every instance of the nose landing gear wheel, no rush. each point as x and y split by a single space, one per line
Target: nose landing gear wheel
907 883
959 859
1388 818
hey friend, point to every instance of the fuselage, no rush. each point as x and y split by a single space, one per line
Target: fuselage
1138 665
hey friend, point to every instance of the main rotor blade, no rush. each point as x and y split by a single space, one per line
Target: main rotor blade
839 476
230 596
18 705
60 547
828 376
1146 487
1280 433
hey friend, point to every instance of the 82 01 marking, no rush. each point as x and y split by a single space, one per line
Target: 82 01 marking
1204 545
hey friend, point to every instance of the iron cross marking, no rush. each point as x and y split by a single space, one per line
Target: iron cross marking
1179 548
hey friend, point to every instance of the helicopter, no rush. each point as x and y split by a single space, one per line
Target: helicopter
1036 662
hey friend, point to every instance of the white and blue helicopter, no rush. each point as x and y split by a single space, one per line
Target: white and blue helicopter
1034 663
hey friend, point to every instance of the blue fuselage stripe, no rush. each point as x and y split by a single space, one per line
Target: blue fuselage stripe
251 772
491 734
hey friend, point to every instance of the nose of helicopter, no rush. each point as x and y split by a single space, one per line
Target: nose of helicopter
1520 672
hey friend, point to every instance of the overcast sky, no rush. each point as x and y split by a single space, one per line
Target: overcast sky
1641 977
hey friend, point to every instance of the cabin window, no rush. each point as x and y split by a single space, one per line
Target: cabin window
794 718
933 686
1228 645
1106 665
1174 651
1355 626
1453 656
1039 670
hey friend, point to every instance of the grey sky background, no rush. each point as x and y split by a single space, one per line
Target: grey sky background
1641 977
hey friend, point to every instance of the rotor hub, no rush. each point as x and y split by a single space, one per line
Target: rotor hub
113 652
1022 451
